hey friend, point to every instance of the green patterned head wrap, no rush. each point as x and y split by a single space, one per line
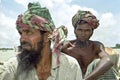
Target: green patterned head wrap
36 17
85 16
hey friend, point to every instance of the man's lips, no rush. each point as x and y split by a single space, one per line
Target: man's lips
25 44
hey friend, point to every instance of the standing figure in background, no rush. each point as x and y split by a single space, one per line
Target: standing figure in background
87 51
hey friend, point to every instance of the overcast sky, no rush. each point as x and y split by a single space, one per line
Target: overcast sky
107 11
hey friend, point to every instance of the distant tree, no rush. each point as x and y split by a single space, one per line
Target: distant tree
117 45
6 48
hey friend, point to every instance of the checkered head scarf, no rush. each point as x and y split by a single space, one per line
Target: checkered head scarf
86 16
36 17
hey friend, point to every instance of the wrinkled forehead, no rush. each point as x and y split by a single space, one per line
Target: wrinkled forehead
84 26
27 29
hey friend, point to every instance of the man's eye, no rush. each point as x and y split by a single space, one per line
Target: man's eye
87 30
79 30
28 32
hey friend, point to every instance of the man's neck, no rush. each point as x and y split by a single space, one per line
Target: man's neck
82 44
44 65
46 55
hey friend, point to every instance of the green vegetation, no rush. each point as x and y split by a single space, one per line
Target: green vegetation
6 48
117 46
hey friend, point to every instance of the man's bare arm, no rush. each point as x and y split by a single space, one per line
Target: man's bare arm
103 65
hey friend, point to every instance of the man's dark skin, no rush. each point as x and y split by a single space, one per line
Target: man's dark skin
85 51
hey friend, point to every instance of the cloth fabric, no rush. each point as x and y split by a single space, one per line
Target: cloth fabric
36 17
109 75
115 57
86 16
68 69
57 39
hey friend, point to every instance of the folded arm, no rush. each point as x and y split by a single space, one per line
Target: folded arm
103 65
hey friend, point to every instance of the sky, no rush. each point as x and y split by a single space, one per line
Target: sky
107 11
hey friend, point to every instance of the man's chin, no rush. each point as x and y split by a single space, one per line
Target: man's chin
82 40
28 58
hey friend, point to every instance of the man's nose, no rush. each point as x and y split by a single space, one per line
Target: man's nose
83 33
23 37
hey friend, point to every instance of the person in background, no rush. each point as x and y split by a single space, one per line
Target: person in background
86 51
37 58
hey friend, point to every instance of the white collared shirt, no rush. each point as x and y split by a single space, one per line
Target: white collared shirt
68 69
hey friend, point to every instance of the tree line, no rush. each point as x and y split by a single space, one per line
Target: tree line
6 48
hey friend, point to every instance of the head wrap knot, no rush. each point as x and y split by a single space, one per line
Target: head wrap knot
36 17
58 37
86 16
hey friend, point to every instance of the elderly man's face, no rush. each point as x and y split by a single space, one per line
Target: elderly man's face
83 32
30 38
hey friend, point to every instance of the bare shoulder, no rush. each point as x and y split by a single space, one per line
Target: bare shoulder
97 43
99 47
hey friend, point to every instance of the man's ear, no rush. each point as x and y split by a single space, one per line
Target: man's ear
45 37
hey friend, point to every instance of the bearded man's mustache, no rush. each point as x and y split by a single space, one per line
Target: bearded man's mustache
25 43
